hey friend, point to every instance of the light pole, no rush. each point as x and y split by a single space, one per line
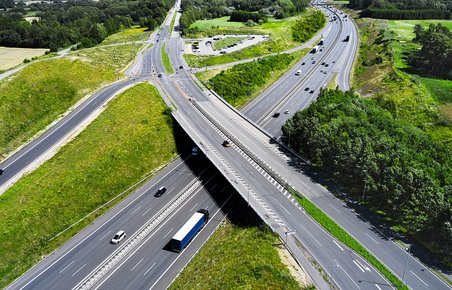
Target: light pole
406 264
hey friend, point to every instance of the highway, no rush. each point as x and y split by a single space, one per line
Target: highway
66 267
419 277
80 257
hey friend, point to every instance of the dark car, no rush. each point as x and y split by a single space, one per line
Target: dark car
306 89
303 63
1 171
226 143
326 65
160 192
323 63
313 62
159 75
311 91
276 115
181 67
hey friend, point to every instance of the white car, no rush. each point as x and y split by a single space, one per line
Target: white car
298 73
118 237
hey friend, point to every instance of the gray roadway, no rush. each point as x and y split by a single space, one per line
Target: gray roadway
282 202
418 277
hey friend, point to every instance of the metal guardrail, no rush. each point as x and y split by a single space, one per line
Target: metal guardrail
144 231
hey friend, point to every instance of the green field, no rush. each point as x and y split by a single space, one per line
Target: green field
128 35
216 22
222 43
279 30
382 69
237 257
123 145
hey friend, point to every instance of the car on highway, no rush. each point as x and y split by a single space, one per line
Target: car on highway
313 62
159 75
226 143
323 63
303 63
286 111
160 191
311 91
306 89
1 171
119 236
223 52
298 73
326 65
181 67
276 115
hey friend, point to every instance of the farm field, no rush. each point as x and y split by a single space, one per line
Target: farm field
12 56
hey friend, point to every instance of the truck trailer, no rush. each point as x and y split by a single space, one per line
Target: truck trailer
189 230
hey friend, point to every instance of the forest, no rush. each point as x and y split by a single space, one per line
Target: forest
403 9
383 161
85 22
206 9
435 56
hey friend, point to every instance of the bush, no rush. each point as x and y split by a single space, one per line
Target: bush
305 28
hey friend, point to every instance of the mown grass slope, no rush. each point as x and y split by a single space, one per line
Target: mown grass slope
130 139
237 257
39 93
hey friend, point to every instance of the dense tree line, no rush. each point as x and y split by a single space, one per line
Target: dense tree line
404 9
206 9
82 21
435 55
244 16
406 14
242 80
305 28
392 165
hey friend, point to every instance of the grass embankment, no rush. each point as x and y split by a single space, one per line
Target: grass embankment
334 229
243 82
116 57
279 30
382 69
42 91
128 35
166 60
38 94
237 257
131 138
222 43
